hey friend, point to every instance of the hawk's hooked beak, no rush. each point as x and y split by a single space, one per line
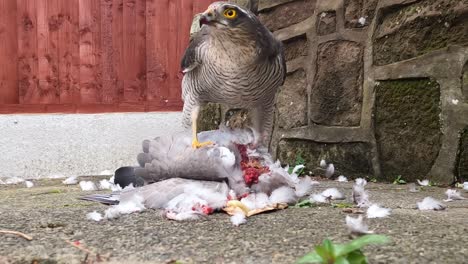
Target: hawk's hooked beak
207 17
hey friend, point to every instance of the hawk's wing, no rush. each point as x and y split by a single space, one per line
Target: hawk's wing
191 60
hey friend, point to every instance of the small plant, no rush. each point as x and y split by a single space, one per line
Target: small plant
399 180
304 204
299 161
374 180
342 205
349 253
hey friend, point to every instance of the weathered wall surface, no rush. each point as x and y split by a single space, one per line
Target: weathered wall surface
378 87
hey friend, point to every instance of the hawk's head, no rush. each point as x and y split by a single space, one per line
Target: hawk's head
228 15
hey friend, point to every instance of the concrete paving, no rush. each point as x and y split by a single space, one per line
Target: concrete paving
51 214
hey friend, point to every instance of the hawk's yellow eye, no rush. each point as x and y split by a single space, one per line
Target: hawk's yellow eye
230 13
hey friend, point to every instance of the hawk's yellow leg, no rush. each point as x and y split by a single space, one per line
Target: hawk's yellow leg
195 143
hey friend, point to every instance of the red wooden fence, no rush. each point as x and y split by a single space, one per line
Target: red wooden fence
93 55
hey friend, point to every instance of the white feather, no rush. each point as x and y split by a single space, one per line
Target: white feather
361 181
183 216
333 194
249 201
297 168
430 203
323 164
304 186
12 180
87 186
375 211
70 181
105 185
106 172
357 225
360 196
465 186
133 204
95 216
29 184
330 170
423 182
362 21
318 198
453 195
238 219
227 157
342 178
283 194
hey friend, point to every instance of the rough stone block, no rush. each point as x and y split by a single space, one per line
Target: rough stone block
462 159
350 159
407 127
326 23
292 101
296 47
209 117
419 28
359 13
287 14
465 82
336 97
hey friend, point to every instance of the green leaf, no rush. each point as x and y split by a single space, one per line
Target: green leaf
356 257
341 260
304 204
399 180
323 253
360 242
328 245
312 257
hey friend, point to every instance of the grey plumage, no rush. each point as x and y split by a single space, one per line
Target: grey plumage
236 62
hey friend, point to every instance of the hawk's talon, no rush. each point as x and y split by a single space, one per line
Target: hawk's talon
196 144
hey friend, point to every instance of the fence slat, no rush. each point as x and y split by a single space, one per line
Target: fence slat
156 24
90 51
111 15
134 44
8 53
27 50
69 52
48 24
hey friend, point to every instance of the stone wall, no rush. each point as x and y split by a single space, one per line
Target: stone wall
379 88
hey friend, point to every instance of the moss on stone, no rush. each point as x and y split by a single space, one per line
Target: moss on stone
407 127
419 28
351 159
462 158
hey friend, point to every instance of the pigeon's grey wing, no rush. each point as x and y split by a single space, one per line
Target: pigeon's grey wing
158 194
108 199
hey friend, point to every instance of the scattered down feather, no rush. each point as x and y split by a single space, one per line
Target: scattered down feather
413 188
29 184
323 164
360 195
430 203
283 195
465 186
319 198
134 203
87 186
330 171
304 186
342 178
95 216
256 201
238 219
70 180
333 194
453 195
357 225
423 182
375 211
361 182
